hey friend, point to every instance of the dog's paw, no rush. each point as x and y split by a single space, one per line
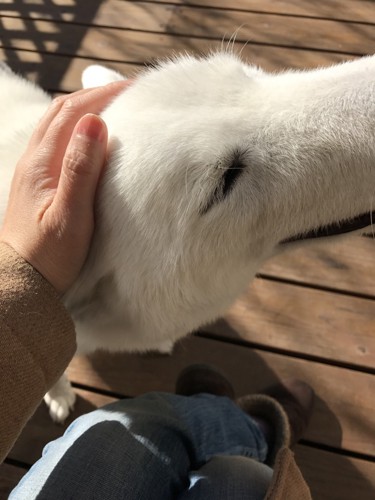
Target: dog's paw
60 400
5 67
96 76
166 347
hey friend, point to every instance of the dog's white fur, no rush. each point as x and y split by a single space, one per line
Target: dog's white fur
160 265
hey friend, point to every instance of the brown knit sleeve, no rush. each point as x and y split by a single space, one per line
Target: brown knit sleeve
287 482
37 341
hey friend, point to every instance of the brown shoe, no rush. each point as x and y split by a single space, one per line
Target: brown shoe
286 408
297 399
198 378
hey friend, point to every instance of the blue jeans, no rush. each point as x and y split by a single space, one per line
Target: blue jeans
156 446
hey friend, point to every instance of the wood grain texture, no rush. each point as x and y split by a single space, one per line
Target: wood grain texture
120 13
73 39
352 38
66 73
346 264
335 477
304 321
271 29
348 10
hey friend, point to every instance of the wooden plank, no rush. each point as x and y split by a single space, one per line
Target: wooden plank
359 10
57 72
73 39
117 12
304 321
58 10
270 29
343 414
333 476
10 476
346 264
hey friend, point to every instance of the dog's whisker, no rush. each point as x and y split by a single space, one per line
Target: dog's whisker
230 43
243 47
222 46
233 39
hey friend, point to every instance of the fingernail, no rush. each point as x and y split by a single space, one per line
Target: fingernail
91 126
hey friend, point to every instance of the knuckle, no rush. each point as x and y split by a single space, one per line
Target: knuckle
67 110
57 102
64 106
78 163
69 105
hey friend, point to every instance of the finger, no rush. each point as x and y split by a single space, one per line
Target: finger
58 134
73 107
82 165
53 145
47 118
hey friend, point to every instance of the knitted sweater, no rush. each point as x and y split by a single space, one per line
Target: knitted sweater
37 341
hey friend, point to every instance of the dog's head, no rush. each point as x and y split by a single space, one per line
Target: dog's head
213 163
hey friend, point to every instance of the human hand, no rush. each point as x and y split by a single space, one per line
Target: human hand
49 220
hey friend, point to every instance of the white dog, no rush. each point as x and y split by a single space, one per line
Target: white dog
214 164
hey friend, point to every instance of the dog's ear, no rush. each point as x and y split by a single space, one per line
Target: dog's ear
96 76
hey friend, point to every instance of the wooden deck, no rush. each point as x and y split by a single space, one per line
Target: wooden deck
311 313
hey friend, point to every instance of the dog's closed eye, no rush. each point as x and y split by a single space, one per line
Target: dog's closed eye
231 173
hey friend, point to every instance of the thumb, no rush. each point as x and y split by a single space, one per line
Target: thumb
82 165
